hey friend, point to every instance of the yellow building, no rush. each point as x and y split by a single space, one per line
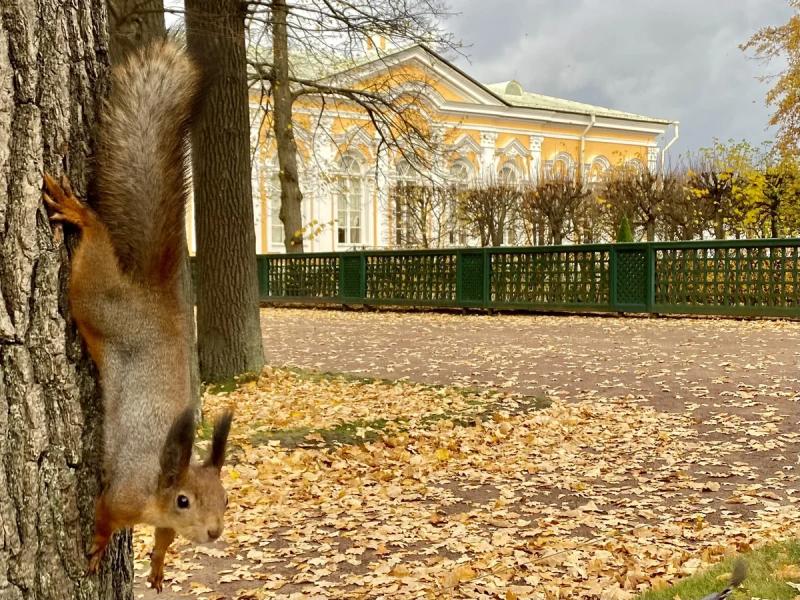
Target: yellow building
490 131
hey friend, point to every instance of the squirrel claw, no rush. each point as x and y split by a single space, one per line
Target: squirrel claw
156 580
95 556
63 204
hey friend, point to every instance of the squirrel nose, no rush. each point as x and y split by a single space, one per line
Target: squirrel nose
214 533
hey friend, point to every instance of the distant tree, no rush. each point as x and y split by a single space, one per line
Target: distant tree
681 215
554 201
489 210
719 177
631 193
625 233
771 200
782 42
228 322
421 216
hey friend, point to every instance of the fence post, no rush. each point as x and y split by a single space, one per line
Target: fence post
352 277
487 278
262 263
631 277
471 278
651 277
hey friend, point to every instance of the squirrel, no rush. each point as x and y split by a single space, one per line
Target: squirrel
125 297
737 578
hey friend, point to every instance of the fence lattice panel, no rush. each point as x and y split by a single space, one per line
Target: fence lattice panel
412 277
732 277
560 278
304 276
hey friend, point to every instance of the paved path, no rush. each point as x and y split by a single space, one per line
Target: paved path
669 361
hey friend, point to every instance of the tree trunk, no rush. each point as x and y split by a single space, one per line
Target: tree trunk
773 219
719 224
228 327
134 24
282 101
52 77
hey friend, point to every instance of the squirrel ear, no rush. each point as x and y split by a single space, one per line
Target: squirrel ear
177 451
220 439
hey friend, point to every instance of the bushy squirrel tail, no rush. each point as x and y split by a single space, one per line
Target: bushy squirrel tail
142 161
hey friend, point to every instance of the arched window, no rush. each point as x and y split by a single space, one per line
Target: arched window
508 174
461 175
599 167
563 165
349 200
460 172
635 164
405 180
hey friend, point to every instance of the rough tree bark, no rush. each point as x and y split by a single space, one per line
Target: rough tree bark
132 25
228 326
53 63
282 99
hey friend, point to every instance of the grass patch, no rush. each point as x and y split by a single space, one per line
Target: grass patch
481 403
343 434
770 569
228 385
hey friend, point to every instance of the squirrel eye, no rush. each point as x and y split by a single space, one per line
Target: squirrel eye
183 501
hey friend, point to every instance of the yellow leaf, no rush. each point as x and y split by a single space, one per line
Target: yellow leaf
442 454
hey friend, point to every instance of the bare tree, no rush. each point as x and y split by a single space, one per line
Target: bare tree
553 200
422 218
314 50
50 442
489 210
588 220
228 324
638 194
681 216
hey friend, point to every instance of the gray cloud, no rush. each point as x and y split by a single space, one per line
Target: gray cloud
677 60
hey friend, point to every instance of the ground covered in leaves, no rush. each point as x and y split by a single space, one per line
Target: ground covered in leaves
539 457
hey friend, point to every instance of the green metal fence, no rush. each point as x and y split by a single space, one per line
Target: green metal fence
741 277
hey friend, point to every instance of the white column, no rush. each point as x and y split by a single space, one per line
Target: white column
536 157
382 196
488 158
652 158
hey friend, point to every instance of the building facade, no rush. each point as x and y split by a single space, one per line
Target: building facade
490 131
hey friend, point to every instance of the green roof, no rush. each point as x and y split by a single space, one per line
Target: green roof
512 93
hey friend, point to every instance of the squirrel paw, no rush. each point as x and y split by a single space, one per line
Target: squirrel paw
95 556
63 204
156 579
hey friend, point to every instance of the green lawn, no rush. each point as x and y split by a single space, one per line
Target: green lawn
771 570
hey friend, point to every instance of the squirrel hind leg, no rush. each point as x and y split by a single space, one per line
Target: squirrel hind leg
63 204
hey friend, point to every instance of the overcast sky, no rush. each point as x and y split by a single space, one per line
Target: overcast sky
674 59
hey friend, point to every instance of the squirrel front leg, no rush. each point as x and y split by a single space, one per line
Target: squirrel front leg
99 293
164 537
